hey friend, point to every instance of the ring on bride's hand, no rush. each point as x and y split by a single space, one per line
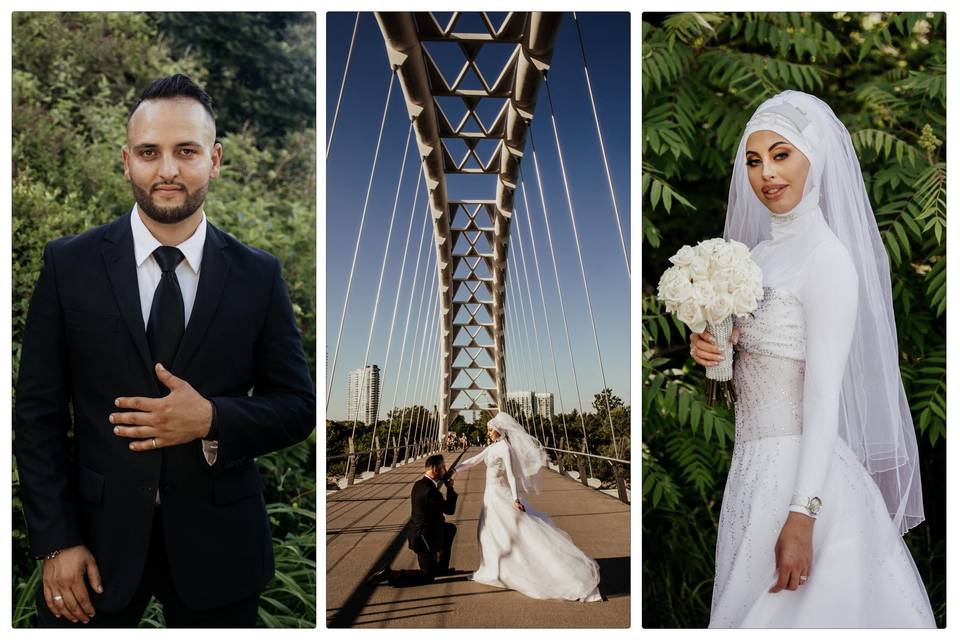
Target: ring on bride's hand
803 579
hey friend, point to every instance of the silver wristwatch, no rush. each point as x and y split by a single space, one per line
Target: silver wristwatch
811 505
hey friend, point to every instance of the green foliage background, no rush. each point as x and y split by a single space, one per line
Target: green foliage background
703 75
75 75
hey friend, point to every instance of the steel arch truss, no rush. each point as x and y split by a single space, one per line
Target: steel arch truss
471 236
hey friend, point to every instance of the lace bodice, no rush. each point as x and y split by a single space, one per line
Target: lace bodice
776 328
769 368
500 474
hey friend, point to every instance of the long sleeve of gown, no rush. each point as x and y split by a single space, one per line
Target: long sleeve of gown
508 468
463 465
828 292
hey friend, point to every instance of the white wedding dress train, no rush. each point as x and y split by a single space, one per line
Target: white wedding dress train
525 551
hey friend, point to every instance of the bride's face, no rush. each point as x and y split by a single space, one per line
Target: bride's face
777 170
493 435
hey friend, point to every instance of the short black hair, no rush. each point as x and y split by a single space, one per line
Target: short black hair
433 462
175 86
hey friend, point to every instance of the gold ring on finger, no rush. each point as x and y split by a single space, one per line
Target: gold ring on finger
154 442
803 579
58 598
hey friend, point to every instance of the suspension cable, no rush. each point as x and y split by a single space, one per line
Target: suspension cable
533 318
514 348
356 248
406 326
417 340
523 376
543 300
383 270
396 303
556 275
430 323
343 83
603 149
583 273
522 312
429 363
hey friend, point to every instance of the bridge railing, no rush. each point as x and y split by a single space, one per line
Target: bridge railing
343 467
620 468
375 459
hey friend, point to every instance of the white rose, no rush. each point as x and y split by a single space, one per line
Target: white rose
719 310
744 301
699 269
684 256
724 257
740 251
703 292
723 287
691 315
678 290
674 285
710 246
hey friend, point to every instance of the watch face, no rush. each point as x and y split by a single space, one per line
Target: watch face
815 505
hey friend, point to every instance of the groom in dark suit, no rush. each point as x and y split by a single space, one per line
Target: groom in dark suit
428 534
160 356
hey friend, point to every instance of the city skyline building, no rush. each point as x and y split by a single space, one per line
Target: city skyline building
524 401
363 393
544 405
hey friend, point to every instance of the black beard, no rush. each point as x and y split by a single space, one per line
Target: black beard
169 215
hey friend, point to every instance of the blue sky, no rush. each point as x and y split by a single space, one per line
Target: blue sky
606 39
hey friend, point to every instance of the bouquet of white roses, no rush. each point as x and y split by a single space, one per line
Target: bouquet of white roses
706 286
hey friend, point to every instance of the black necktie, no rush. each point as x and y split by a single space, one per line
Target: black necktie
165 327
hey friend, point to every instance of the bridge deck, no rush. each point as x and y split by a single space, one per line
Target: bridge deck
365 531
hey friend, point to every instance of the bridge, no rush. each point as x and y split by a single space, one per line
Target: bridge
365 532
483 303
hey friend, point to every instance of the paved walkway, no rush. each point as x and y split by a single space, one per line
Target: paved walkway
365 531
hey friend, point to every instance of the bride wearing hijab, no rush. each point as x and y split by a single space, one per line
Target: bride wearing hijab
824 478
520 548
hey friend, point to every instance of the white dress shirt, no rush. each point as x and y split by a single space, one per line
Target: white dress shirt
188 276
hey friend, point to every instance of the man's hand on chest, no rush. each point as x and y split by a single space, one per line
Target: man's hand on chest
178 418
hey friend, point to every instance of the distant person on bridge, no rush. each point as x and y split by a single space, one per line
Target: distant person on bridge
428 534
520 548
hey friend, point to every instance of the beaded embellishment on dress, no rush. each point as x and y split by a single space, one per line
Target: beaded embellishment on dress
769 368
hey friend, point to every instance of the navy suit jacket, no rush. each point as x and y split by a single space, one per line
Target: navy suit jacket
425 530
84 345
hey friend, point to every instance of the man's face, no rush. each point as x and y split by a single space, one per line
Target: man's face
170 157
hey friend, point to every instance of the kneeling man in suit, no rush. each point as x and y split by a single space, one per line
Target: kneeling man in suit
160 356
428 533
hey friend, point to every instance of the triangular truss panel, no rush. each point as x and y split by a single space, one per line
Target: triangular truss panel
470 81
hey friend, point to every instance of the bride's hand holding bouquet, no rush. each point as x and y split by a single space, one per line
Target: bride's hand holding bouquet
707 285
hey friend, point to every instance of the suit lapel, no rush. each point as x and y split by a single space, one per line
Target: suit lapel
214 271
121 267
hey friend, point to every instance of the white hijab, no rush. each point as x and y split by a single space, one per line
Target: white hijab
875 419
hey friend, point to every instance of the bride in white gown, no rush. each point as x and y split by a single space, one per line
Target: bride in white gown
520 548
811 523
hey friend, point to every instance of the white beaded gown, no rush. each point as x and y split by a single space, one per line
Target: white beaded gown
525 551
790 358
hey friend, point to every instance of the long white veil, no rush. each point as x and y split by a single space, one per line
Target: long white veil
875 419
527 455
